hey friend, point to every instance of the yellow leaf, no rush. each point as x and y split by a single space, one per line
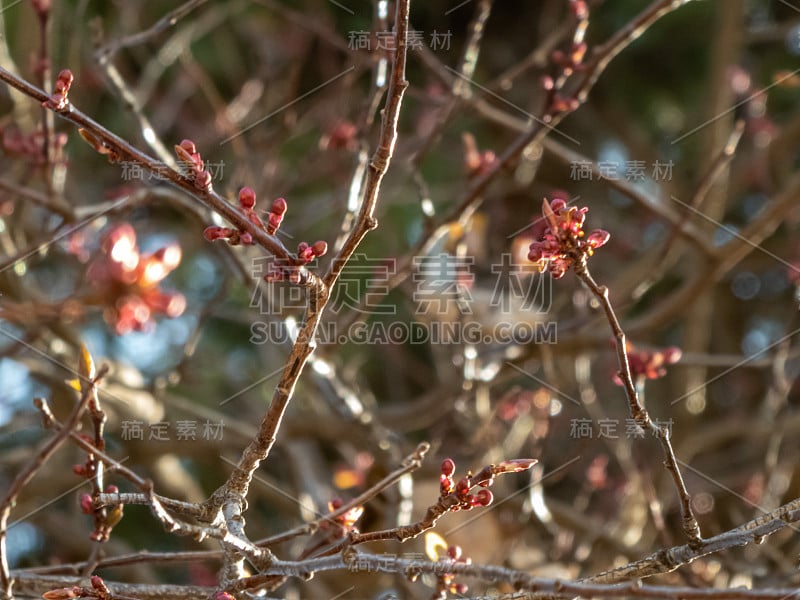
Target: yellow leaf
75 384
86 366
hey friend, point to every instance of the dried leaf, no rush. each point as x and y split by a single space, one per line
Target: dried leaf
435 546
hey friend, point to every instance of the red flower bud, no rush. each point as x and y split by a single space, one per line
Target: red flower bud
304 251
214 233
278 206
448 467
112 489
247 197
87 504
462 487
598 238
188 146
454 552
319 248
98 583
484 497
446 485
273 223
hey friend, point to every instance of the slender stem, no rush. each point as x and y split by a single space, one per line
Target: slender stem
30 470
636 407
230 496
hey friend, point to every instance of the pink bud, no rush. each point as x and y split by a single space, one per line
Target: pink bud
274 222
448 467
319 248
246 238
598 238
279 206
87 505
64 81
189 146
484 497
247 197
304 251
214 233
112 489
516 465
98 583
79 470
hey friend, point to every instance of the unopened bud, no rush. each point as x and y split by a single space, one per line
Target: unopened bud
247 197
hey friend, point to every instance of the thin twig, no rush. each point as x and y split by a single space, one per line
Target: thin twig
33 467
636 407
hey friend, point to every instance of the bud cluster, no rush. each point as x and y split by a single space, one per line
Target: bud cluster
447 581
567 63
247 201
105 519
127 282
462 488
190 157
563 242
